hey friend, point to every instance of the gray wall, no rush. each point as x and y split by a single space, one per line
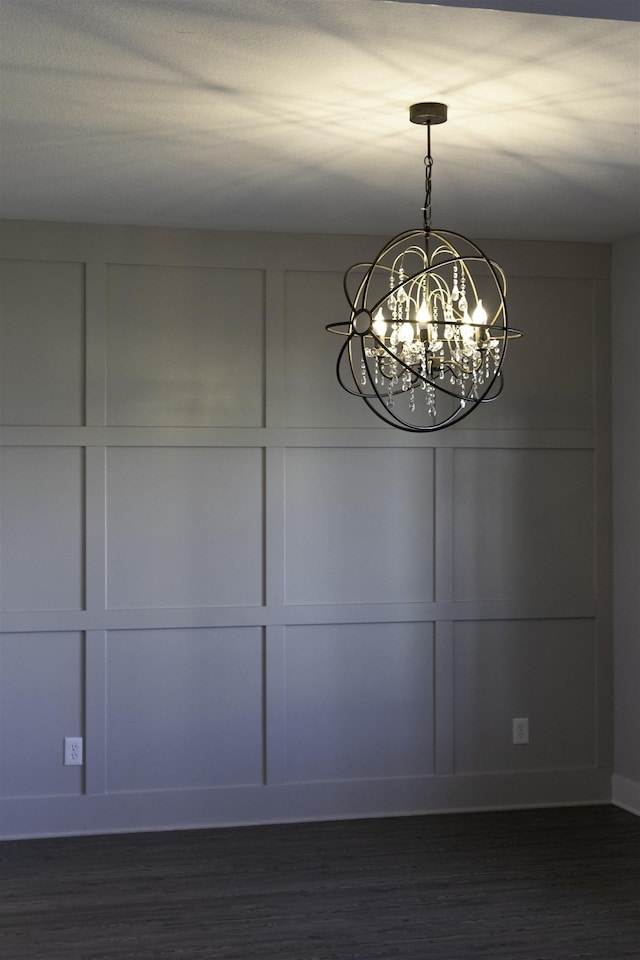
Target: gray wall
626 519
253 601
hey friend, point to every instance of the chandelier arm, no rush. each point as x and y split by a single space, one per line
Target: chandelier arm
417 277
450 364
508 333
395 241
440 235
418 376
394 419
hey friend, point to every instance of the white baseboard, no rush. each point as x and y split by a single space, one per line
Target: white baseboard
337 800
626 794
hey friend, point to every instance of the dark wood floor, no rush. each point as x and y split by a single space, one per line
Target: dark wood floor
542 885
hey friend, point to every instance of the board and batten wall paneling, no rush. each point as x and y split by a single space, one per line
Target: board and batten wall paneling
40 695
153 742
185 346
184 527
523 524
359 701
626 520
253 600
41 528
42 346
545 670
359 525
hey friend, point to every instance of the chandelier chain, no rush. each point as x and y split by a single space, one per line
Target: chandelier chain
428 165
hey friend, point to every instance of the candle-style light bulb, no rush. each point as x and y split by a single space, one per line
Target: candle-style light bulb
405 333
479 315
379 325
423 316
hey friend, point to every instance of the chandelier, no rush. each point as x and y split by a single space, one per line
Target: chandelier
428 330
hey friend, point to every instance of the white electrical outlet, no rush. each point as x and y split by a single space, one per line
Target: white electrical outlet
73 752
521 729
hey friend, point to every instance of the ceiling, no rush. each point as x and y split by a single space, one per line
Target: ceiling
292 115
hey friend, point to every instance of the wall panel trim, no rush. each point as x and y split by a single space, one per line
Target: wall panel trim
254 532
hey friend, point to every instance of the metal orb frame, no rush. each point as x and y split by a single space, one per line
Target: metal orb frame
418 327
421 348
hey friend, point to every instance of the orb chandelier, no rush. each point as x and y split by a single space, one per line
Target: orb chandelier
428 330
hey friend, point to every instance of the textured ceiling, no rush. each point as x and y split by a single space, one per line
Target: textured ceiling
292 115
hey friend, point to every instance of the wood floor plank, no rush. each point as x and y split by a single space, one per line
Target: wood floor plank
560 884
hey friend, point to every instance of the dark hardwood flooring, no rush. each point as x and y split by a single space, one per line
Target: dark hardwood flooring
556 884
